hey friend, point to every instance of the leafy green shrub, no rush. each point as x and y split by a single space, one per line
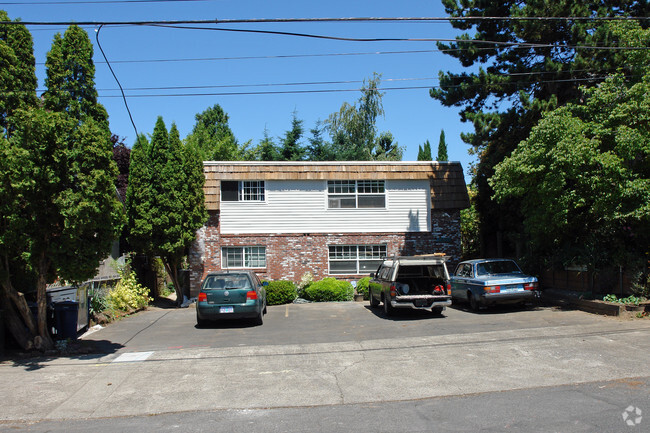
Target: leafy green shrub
280 292
630 300
362 287
127 294
329 289
98 300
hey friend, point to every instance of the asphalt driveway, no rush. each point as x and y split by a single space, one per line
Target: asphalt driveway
332 322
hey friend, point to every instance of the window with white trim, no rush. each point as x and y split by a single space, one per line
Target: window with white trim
242 190
356 194
243 257
355 259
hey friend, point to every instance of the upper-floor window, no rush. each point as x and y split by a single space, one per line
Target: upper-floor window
242 190
351 194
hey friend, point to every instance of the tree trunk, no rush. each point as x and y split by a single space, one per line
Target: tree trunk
45 341
172 271
15 308
15 326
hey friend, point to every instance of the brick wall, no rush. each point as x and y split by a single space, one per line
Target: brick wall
290 256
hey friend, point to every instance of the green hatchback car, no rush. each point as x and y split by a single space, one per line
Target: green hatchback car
231 295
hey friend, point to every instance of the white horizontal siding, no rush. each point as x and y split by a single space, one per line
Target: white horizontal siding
301 207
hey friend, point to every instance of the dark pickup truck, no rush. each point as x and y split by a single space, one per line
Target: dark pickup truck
418 282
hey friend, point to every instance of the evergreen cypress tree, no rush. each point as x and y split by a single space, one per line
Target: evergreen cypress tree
442 147
424 152
138 198
70 77
18 73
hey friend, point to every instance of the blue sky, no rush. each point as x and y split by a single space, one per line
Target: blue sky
411 115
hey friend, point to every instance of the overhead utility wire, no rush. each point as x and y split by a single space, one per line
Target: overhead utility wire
293 92
118 81
322 20
286 56
321 83
340 38
94 2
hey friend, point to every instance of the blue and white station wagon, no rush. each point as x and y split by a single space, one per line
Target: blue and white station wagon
484 282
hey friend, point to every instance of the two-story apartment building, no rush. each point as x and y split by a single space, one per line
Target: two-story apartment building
283 219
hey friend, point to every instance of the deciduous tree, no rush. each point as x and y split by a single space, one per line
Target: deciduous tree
583 177
353 128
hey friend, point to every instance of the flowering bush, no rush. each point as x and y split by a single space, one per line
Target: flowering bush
128 295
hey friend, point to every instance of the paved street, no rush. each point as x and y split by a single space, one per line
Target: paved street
342 367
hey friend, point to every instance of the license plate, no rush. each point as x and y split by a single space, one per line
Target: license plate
226 309
513 289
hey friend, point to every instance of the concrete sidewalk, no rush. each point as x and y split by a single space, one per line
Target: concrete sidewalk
124 383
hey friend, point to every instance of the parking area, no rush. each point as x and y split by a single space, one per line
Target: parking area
160 329
321 354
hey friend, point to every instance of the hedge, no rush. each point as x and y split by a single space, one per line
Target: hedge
280 292
329 289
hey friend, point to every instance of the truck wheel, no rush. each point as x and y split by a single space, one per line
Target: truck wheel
437 311
388 309
373 302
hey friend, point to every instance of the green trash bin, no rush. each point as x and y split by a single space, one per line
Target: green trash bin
66 314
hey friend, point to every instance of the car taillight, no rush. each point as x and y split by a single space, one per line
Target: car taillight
203 297
531 286
393 291
251 296
449 289
492 289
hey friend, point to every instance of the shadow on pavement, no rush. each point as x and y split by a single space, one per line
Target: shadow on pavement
73 350
405 314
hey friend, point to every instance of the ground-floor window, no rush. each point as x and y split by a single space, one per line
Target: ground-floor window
243 257
355 259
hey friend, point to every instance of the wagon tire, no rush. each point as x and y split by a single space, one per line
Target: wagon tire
473 303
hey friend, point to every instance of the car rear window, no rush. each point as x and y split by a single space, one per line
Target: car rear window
230 281
498 267
422 271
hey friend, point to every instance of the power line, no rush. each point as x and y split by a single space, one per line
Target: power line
348 39
94 2
337 82
116 80
318 20
320 91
